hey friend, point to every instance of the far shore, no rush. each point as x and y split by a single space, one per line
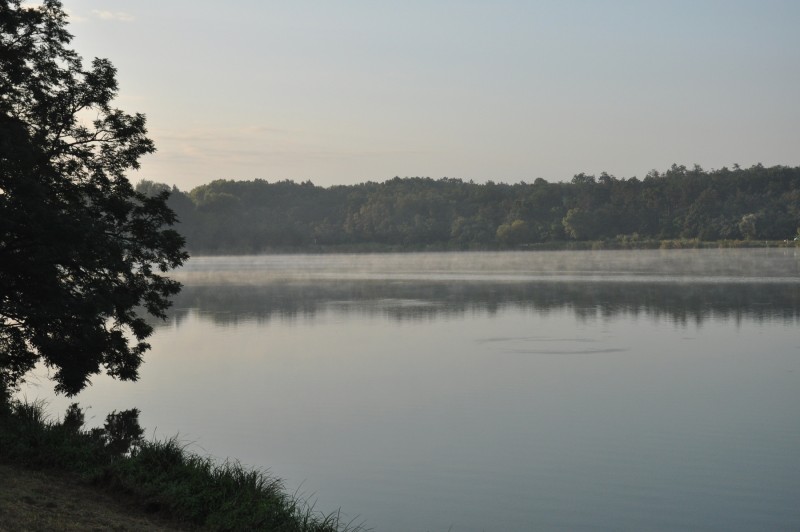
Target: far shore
620 243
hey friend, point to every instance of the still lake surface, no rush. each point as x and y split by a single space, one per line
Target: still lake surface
613 390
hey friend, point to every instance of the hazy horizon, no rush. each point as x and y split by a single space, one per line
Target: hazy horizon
506 91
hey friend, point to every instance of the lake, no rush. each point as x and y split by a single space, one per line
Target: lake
614 390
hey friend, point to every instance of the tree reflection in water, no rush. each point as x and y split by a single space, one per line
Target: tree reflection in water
679 302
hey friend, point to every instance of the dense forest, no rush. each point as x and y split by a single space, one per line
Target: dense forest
756 203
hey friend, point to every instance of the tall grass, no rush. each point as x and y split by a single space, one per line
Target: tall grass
162 476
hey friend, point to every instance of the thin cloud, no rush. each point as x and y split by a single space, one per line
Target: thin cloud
119 16
254 147
230 134
73 17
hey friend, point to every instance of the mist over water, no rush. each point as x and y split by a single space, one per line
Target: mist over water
676 284
744 265
477 391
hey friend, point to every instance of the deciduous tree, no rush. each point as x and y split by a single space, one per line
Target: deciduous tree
81 252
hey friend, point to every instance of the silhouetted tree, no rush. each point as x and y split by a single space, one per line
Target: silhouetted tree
80 249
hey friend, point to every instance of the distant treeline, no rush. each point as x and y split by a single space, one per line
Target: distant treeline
755 203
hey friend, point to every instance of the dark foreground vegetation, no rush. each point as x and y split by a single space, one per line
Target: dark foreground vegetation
161 478
681 205
83 263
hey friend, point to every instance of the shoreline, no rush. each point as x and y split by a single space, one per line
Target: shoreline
587 245
158 485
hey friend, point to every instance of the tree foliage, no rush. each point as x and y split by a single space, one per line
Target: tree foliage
80 249
422 213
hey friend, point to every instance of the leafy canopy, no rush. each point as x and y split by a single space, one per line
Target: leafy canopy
81 252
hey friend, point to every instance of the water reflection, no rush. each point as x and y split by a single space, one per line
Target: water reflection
400 300
493 392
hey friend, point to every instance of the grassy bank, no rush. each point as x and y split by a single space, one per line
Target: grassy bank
160 478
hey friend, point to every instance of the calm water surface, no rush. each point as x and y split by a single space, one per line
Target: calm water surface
473 391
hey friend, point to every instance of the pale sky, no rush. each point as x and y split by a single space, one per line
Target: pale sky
351 91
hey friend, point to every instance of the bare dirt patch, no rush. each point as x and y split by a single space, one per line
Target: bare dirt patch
35 500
